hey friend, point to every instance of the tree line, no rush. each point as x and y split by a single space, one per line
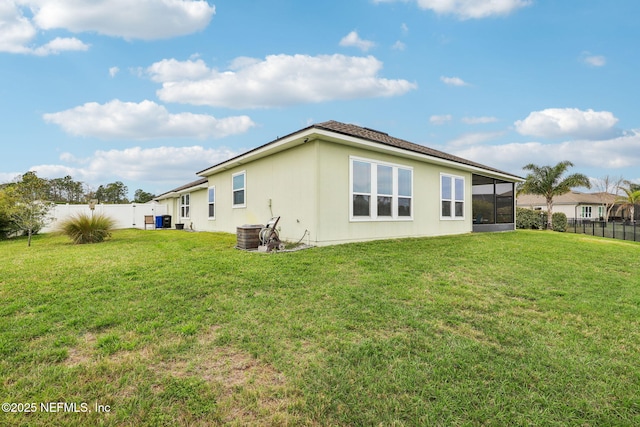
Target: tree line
26 203
68 190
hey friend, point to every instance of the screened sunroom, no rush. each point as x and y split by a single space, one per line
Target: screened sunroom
493 204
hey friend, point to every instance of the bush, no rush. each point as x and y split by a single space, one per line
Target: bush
85 228
528 219
559 222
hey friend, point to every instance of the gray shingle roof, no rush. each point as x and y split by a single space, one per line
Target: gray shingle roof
384 138
375 136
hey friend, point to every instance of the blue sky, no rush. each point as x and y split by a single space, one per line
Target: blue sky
148 93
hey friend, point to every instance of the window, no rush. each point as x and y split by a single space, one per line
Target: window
184 206
586 211
239 188
601 212
212 202
380 191
452 197
385 190
404 191
361 175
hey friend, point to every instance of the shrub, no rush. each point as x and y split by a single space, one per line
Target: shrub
528 218
84 228
559 222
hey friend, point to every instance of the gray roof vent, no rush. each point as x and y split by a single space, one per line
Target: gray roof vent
376 131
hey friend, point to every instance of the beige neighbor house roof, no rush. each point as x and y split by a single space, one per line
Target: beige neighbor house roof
571 198
360 134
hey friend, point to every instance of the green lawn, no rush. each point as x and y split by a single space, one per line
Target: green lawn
178 328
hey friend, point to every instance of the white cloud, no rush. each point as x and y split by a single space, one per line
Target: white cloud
353 40
6 177
568 122
16 31
276 81
404 28
22 20
469 9
144 120
169 166
474 138
59 44
453 81
150 19
440 119
478 120
399 46
607 154
172 70
593 60
113 71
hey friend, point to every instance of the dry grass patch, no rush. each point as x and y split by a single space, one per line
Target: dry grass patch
249 392
83 353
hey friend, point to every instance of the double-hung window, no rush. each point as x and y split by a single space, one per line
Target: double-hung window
380 191
452 197
239 184
184 206
212 202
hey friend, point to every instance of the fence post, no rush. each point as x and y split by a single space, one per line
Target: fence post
614 229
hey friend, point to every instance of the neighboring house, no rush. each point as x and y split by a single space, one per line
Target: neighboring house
334 183
589 206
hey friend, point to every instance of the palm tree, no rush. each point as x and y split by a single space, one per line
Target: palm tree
548 181
630 200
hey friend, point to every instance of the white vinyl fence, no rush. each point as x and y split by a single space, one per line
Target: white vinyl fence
126 216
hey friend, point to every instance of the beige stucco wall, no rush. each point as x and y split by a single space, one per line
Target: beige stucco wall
282 184
335 225
569 210
308 186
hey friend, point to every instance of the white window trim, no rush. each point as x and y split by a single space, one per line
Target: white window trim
213 187
586 212
244 204
188 206
453 216
373 198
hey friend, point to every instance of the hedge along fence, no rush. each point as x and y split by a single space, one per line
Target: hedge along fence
537 220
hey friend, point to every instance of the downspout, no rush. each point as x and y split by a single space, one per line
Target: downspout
316 219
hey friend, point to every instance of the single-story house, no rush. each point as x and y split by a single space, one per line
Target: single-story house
575 205
335 183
